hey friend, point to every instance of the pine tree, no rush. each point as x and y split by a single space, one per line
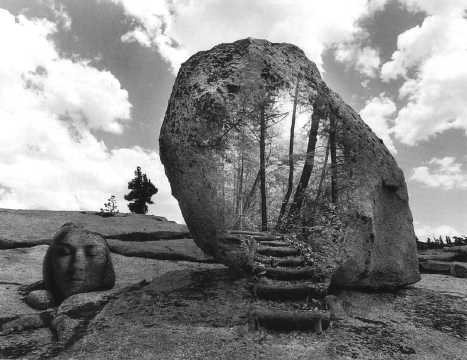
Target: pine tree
141 191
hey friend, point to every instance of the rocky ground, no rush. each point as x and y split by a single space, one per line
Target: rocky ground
450 260
173 302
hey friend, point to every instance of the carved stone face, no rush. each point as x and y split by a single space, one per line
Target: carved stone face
78 261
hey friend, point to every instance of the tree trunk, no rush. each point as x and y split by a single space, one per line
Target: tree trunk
285 201
240 192
307 167
332 145
251 193
262 169
321 180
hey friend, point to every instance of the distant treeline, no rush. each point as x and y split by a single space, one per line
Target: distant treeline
439 243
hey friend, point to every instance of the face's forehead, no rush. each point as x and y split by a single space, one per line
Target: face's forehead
81 238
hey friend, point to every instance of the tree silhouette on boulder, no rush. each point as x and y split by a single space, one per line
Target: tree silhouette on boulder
142 189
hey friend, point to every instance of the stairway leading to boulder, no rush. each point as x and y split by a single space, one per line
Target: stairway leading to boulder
288 295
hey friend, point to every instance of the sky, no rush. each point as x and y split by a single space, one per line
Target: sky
84 86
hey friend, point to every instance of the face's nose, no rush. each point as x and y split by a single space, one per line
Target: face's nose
78 265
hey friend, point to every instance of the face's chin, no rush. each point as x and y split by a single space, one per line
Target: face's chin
71 286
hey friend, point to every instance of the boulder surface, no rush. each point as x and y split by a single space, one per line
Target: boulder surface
205 315
26 228
214 121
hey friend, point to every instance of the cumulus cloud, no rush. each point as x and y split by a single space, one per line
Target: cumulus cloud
445 173
49 106
438 35
378 113
34 75
179 28
445 7
366 60
431 59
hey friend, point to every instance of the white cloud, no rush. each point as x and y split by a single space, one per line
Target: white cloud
179 28
443 173
49 158
365 60
431 58
33 75
60 15
445 7
138 35
438 35
429 231
377 114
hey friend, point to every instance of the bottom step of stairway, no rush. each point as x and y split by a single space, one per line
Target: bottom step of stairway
283 320
284 290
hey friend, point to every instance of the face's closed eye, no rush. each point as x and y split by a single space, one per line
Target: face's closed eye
63 250
90 250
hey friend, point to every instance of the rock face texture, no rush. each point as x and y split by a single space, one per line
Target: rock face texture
31 325
26 228
204 315
210 127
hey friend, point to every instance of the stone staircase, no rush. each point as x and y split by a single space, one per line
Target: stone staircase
288 295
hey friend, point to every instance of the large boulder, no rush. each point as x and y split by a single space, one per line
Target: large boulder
224 101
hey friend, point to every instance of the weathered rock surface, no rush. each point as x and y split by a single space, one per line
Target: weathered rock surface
26 332
443 284
24 228
378 248
39 299
177 249
437 256
19 267
204 315
459 250
458 269
449 260
30 345
452 253
432 266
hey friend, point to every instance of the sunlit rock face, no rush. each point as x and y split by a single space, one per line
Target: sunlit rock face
225 144
77 261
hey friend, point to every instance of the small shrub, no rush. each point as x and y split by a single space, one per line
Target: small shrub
110 207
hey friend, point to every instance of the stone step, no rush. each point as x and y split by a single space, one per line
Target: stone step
251 233
267 238
288 273
288 290
288 261
274 243
287 320
282 251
